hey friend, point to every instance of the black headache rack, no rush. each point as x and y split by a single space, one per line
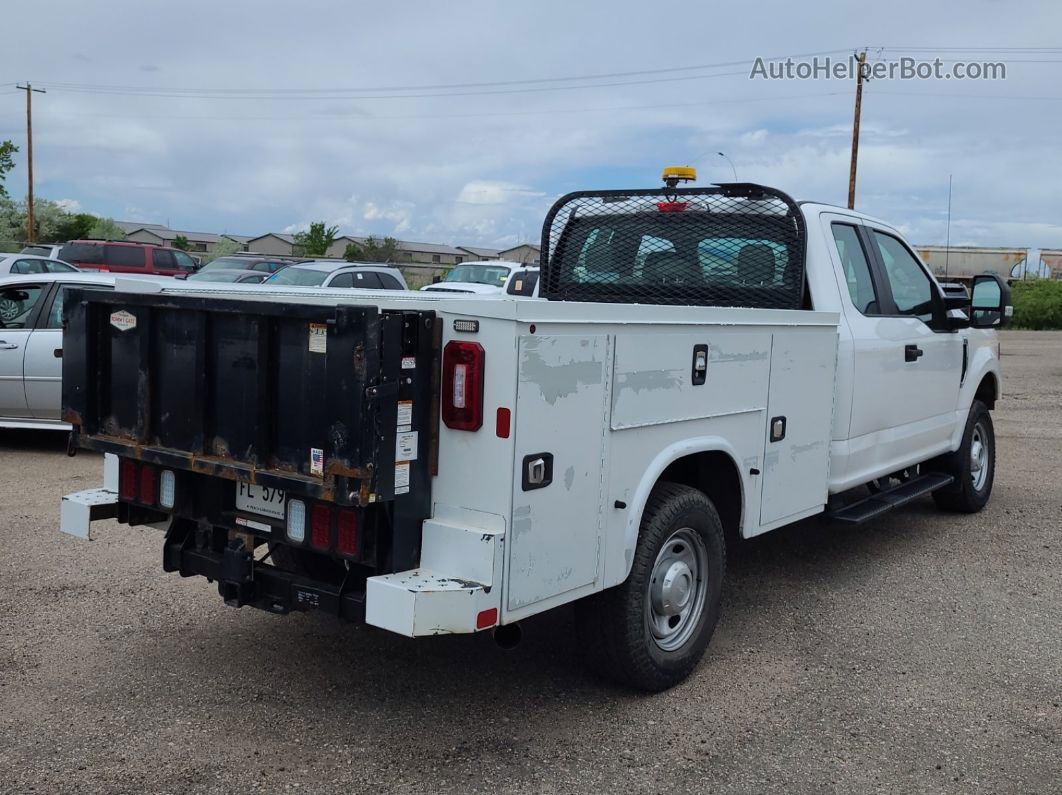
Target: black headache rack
734 244
332 405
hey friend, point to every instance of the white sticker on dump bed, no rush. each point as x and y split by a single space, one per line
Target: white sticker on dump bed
402 478
318 338
405 415
122 320
406 446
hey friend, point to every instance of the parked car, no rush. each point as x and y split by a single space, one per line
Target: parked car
208 274
487 277
264 265
49 250
19 264
523 282
31 345
329 273
123 257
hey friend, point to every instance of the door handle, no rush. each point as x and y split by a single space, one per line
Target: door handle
911 353
7 346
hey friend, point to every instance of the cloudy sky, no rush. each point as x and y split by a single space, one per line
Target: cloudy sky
460 122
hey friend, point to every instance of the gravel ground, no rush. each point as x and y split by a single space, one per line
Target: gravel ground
919 653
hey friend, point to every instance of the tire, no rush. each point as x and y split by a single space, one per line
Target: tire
973 465
653 642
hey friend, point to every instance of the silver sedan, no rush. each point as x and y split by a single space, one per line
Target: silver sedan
31 345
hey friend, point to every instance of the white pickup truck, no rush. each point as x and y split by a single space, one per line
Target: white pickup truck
704 365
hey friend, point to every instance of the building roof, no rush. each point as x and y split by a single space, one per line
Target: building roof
481 252
535 246
429 248
132 226
278 235
238 238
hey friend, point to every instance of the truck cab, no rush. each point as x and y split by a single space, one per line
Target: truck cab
702 365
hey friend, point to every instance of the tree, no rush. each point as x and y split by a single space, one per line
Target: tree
316 241
375 250
7 162
106 229
223 248
181 242
75 226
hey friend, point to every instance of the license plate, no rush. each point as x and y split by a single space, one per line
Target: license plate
259 499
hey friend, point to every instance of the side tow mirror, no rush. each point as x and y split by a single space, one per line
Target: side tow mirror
990 304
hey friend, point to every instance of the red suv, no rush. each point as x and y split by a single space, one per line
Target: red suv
105 255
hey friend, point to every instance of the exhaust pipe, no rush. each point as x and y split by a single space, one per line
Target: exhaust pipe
508 636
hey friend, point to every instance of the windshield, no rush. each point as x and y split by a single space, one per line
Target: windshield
217 276
305 277
225 263
479 274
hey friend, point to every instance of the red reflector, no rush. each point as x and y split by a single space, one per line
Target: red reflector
347 533
147 484
462 385
503 422
672 207
487 618
321 526
127 482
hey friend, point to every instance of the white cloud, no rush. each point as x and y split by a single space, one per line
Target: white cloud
468 168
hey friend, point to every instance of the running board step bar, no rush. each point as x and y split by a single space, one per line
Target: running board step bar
884 501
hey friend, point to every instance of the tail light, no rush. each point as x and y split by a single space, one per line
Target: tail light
321 526
147 484
462 385
127 481
347 533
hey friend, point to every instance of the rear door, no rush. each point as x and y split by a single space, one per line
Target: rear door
19 308
128 259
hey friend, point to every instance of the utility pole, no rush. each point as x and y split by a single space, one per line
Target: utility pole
861 60
29 89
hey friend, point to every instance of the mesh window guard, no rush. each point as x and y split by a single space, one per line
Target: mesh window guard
736 244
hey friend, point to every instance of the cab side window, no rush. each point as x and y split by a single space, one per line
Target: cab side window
912 290
17 305
856 269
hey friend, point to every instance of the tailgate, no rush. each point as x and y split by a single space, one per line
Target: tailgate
316 400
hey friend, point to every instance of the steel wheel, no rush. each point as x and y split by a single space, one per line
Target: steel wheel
677 589
978 457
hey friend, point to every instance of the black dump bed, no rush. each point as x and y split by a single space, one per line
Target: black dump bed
305 398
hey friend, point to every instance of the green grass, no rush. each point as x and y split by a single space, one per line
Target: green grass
1037 304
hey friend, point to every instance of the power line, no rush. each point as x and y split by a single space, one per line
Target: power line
433 87
369 118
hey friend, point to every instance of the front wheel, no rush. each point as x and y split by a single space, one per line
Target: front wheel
651 631
973 465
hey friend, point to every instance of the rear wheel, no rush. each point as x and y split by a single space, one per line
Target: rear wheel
973 465
651 631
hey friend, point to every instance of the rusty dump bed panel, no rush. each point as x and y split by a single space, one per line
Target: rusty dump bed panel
306 398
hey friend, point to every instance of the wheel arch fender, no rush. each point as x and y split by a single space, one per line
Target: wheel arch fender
618 567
